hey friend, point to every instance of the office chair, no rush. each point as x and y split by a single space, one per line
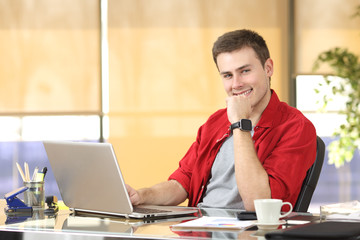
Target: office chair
311 179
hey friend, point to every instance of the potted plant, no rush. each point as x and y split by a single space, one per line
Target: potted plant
345 65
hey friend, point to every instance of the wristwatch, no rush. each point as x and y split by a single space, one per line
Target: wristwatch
243 124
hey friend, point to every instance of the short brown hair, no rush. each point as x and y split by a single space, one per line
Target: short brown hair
239 39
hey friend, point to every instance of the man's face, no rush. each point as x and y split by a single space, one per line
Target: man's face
243 74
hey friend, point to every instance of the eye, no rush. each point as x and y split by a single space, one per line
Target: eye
245 71
227 76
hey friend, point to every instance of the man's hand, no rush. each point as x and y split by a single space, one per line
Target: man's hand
164 193
134 195
238 107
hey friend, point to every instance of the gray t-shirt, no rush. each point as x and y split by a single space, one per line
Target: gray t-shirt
221 190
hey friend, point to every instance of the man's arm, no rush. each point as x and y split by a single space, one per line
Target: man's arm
251 177
166 193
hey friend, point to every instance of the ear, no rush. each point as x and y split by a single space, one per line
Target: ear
269 67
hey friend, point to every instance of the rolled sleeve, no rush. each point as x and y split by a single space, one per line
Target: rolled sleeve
289 161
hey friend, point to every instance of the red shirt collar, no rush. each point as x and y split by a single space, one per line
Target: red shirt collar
267 117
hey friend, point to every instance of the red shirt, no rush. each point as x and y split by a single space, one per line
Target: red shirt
285 142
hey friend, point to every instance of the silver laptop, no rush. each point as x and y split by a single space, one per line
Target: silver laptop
90 181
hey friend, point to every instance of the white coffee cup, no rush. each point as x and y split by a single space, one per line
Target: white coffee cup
269 210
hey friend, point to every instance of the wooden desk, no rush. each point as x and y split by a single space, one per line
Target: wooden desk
67 226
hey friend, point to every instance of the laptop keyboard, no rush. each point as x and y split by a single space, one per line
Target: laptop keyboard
148 210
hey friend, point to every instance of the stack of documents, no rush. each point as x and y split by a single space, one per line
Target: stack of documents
348 211
214 223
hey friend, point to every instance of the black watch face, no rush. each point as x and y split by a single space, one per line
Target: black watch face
246 124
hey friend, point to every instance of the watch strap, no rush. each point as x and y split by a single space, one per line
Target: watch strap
243 125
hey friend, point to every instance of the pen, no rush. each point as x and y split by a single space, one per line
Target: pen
40 176
27 173
21 172
44 171
34 174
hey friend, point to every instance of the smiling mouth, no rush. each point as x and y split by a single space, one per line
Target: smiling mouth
243 93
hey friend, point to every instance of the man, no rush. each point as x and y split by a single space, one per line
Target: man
230 164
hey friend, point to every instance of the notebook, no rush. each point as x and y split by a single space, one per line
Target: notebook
316 231
90 181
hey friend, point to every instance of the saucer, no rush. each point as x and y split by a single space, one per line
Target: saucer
269 226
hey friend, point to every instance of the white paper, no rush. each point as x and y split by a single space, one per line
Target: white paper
341 211
215 222
353 216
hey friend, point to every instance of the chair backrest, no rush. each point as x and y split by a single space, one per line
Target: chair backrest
311 179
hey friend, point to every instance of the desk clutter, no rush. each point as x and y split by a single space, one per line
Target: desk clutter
36 176
341 211
322 230
34 195
336 221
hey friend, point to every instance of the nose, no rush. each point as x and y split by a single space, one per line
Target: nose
237 82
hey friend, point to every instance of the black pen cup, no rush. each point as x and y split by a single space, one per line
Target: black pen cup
34 196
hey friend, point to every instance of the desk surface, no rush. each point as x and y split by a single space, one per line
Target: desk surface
66 225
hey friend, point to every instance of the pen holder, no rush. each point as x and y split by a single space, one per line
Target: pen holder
35 195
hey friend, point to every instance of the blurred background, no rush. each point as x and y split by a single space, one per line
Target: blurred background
139 74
